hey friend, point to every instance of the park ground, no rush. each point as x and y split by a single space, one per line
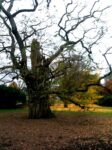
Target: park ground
70 130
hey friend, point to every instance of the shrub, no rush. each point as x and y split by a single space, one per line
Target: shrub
10 96
105 101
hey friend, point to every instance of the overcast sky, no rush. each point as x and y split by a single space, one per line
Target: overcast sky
56 10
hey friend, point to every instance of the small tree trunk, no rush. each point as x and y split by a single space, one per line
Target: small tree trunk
65 103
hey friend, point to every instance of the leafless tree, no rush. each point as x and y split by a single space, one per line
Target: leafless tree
32 61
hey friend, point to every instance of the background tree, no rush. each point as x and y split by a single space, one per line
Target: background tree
74 79
32 58
75 72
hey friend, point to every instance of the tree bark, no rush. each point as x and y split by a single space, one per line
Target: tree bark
65 103
38 93
38 84
39 105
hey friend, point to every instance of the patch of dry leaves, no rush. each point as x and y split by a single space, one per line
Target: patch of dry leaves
65 132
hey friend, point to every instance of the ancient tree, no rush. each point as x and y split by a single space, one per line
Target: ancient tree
36 64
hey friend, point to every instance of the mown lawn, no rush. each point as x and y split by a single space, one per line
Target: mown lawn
14 110
92 110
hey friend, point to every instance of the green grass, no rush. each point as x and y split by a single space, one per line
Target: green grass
100 113
91 113
104 111
108 114
14 110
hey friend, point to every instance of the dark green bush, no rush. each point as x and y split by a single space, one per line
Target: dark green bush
105 101
10 97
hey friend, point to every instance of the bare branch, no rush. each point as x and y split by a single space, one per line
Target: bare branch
6 67
48 3
10 6
17 36
110 68
63 27
26 10
12 45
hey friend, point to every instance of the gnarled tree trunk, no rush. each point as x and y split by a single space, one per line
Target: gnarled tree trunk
38 100
38 92
39 106
37 81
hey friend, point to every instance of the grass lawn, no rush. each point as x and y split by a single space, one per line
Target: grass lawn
93 110
14 110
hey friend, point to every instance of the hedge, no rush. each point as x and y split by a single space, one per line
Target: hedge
10 96
105 101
